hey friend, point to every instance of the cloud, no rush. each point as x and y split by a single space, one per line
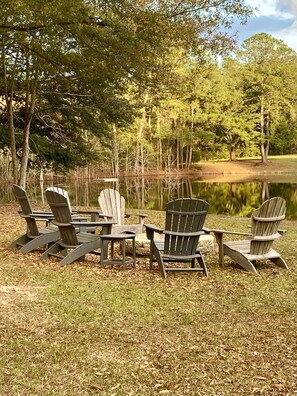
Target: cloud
275 17
287 6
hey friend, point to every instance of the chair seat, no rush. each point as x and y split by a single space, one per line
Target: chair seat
244 248
46 230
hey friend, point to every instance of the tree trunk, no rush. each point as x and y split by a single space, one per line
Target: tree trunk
30 106
115 160
190 146
232 153
25 155
264 139
14 158
8 93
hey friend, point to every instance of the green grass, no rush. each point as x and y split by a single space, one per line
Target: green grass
83 330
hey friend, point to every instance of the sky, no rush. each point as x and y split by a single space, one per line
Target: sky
275 17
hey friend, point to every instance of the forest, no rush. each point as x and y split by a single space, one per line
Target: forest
135 87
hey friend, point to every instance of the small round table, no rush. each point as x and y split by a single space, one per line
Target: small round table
121 239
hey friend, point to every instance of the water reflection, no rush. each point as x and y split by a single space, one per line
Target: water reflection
147 193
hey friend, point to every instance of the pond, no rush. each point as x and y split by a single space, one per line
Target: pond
238 198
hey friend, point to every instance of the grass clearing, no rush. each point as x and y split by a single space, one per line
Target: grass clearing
83 330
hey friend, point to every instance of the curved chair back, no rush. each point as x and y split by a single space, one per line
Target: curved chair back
183 226
265 225
21 196
59 204
112 204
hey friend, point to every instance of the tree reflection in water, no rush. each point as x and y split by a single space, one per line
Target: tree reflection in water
239 199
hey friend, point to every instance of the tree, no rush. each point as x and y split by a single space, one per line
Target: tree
88 51
270 74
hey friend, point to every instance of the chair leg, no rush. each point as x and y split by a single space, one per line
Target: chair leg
240 259
160 262
280 262
80 251
151 254
202 264
52 250
75 255
41 240
21 241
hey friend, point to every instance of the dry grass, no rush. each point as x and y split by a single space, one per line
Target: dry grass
83 330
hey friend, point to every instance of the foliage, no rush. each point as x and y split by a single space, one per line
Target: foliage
137 85
270 69
80 56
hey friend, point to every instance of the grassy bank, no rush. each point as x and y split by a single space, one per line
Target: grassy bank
249 168
83 330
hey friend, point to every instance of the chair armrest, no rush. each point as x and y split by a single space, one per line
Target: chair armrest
135 214
141 217
107 216
219 235
280 231
95 214
46 217
106 225
92 223
42 213
206 230
216 231
41 216
184 233
151 229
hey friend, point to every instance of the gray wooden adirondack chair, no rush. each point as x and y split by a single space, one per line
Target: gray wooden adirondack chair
112 205
183 228
35 236
72 239
258 243
93 215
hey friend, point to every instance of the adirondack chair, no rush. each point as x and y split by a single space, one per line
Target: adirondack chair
80 243
35 236
93 215
183 228
258 243
112 205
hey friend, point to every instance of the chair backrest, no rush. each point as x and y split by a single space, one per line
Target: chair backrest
184 218
265 224
61 191
59 204
21 196
112 204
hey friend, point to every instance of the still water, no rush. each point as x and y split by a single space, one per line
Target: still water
150 193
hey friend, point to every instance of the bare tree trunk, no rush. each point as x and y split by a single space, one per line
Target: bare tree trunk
264 138
139 155
25 155
232 153
8 93
14 158
31 89
190 146
115 160
159 142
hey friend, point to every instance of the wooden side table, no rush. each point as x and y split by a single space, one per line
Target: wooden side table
121 239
